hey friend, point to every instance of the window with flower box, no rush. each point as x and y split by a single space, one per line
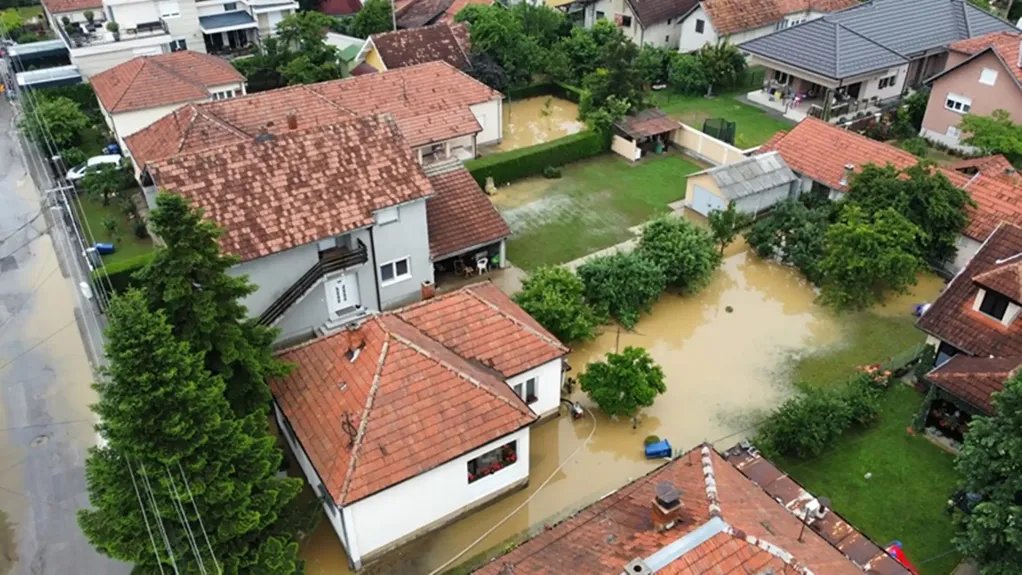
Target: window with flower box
492 461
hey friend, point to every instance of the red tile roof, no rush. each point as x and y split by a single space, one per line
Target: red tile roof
952 319
995 165
460 216
154 81
650 12
1005 44
411 403
1005 279
421 12
973 379
60 6
430 103
821 151
457 6
481 323
732 16
298 186
757 532
647 123
339 7
420 45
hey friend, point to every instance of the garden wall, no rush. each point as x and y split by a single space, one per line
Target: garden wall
705 147
625 148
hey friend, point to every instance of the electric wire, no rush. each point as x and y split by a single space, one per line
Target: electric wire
156 512
145 517
188 488
179 507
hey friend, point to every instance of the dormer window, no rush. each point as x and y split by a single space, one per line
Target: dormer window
994 305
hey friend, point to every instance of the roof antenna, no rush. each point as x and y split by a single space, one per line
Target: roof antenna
348 428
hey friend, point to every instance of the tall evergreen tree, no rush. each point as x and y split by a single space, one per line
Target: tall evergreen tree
166 418
187 279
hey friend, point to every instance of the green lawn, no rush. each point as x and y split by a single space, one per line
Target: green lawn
905 495
126 244
590 208
753 126
27 12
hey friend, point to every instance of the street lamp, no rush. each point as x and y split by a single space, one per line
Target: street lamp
817 506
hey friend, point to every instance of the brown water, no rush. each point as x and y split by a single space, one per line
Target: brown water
723 372
535 121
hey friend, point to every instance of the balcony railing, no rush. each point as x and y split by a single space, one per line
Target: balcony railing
330 261
97 35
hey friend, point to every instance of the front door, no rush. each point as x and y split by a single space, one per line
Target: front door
342 295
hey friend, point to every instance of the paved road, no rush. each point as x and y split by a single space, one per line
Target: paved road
46 327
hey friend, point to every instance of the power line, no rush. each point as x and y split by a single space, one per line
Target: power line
145 518
199 516
37 344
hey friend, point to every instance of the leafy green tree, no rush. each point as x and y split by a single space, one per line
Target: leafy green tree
58 118
653 63
103 182
298 55
686 254
261 69
10 22
498 32
622 285
915 108
554 297
541 22
624 383
994 134
794 234
989 463
581 56
165 420
923 195
723 63
487 71
915 146
602 119
864 257
726 224
687 75
188 280
373 18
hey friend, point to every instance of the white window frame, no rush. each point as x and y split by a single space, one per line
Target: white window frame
988 76
957 103
388 216
169 9
782 78
224 95
395 278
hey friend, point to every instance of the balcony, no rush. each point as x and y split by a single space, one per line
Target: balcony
332 260
79 35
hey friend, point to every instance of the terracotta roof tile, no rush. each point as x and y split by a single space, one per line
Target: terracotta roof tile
1006 44
603 537
952 319
973 379
731 16
1005 279
421 12
994 165
153 81
650 12
60 6
481 323
402 406
420 45
997 200
298 186
460 215
339 7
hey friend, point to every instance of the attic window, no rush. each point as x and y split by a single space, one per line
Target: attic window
988 77
700 25
626 21
994 305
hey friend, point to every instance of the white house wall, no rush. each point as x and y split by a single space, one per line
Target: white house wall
186 26
967 248
406 237
442 492
130 15
662 34
690 40
92 60
489 115
127 123
312 311
756 203
871 87
548 386
274 274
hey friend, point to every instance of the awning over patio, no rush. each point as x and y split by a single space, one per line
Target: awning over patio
227 22
37 50
49 77
646 124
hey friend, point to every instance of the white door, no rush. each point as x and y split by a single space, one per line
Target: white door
342 295
704 201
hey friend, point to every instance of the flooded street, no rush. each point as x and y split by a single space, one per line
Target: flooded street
724 372
535 121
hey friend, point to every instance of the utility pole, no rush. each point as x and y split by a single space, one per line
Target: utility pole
393 17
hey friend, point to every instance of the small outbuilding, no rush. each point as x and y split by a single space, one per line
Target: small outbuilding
639 134
754 184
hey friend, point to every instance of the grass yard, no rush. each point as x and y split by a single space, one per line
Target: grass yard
589 208
126 244
905 496
752 125
29 12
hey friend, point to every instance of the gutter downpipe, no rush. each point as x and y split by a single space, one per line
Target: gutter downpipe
376 279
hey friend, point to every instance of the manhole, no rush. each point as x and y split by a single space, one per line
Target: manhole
8 264
39 440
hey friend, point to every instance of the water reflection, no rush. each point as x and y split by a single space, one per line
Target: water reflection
535 121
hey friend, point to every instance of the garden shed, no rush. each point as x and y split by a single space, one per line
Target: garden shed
754 184
647 131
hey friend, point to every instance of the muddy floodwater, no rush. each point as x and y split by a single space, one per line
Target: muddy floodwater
535 121
724 371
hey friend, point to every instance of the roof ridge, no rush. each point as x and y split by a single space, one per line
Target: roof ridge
871 41
710 479
446 365
173 72
356 447
471 289
130 82
308 88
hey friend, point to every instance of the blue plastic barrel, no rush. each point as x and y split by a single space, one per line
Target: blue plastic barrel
103 248
659 449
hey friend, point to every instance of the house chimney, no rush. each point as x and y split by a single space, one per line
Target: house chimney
849 170
667 506
428 290
292 120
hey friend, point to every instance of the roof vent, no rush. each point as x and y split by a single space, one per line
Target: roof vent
637 567
667 506
667 495
262 138
356 341
292 120
849 170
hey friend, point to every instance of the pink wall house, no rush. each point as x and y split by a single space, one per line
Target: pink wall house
982 75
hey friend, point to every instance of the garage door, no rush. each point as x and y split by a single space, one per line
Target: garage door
704 201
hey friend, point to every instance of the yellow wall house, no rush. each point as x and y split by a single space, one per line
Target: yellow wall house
754 184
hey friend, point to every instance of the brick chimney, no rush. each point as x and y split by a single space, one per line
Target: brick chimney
847 175
356 339
428 290
292 120
667 506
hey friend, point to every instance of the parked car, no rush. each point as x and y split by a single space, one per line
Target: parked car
78 172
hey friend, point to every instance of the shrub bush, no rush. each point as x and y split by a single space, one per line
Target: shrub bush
862 398
553 296
805 425
915 146
622 285
687 255
119 273
139 228
551 173
926 360
651 439
567 92
523 162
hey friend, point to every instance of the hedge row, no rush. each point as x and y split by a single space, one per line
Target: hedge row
556 89
517 164
119 273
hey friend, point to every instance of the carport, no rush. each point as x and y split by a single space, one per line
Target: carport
639 134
